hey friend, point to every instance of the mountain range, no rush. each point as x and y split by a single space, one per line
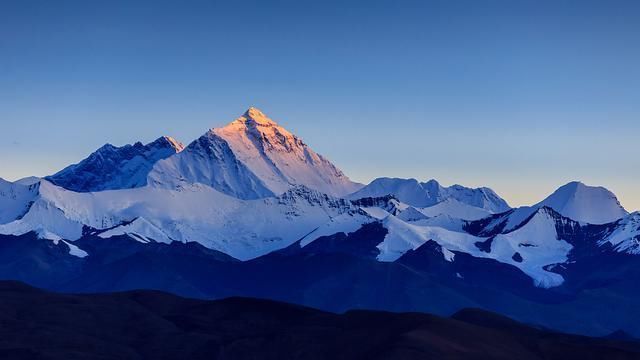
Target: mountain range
249 209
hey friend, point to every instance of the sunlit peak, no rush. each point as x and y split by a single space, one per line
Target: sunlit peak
257 116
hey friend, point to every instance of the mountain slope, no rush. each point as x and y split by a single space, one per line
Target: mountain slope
456 209
241 228
626 237
15 199
210 161
534 248
430 193
111 168
280 158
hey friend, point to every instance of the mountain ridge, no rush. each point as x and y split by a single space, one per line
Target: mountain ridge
112 168
429 193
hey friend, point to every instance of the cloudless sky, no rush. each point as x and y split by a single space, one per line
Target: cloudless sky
520 96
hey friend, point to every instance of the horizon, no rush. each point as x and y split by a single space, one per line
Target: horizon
515 96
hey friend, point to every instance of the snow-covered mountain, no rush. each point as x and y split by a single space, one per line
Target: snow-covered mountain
590 204
626 237
15 199
534 248
425 194
280 158
247 229
243 229
251 188
575 201
111 167
252 157
209 161
248 203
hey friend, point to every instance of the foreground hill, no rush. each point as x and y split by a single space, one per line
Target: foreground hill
155 325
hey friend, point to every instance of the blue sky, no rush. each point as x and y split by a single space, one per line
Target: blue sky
521 96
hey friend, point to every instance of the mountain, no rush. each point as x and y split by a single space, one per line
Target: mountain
241 228
210 161
589 204
430 193
250 210
252 157
111 167
167 327
626 237
533 248
575 201
15 199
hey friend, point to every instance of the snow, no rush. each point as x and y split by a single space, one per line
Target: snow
47 235
448 255
247 229
589 204
626 237
15 199
177 145
345 223
44 216
444 221
455 209
139 229
75 251
376 212
27 181
409 191
251 158
411 214
209 161
430 193
110 167
252 187
279 158
403 237
576 201
241 228
537 242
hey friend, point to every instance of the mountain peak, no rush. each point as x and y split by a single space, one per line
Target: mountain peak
279 158
167 141
581 202
255 116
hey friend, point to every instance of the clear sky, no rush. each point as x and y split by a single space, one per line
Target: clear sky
521 96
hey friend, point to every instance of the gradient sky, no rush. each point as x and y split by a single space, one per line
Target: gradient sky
521 96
